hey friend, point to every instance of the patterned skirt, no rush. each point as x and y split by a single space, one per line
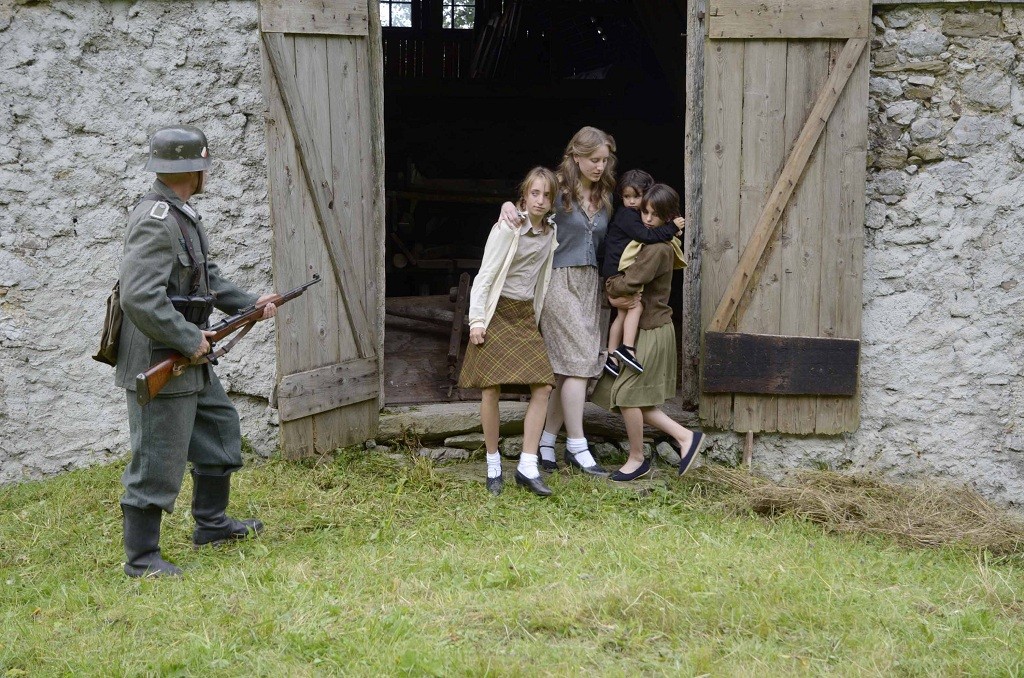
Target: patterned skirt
512 353
571 321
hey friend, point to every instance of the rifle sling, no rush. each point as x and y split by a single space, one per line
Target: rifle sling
222 351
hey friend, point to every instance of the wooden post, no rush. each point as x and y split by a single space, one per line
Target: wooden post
693 179
748 450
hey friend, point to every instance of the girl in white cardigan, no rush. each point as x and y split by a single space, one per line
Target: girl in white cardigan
504 312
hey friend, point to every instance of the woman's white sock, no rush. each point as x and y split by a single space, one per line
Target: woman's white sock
579 448
528 465
547 446
493 464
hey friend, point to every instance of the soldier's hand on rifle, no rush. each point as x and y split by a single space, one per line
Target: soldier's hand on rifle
269 311
204 347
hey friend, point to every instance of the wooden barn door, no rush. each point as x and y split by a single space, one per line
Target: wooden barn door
785 140
322 78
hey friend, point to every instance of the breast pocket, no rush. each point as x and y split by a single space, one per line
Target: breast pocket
184 273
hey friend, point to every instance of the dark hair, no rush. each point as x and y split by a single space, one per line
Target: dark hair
664 202
637 179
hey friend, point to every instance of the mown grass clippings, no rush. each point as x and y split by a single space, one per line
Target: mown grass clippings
922 515
377 566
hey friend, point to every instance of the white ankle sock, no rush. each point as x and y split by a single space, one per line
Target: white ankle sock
493 464
579 448
547 446
528 465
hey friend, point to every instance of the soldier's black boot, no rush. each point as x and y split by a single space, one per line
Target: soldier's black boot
213 525
142 543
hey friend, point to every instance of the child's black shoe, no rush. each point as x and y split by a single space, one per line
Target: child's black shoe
610 367
626 355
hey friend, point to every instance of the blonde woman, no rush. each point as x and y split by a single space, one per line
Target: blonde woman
570 321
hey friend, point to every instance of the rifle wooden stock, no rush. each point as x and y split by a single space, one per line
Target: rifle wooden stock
149 383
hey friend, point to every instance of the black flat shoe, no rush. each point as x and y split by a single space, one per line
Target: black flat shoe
596 470
535 485
641 470
610 367
696 445
496 485
546 465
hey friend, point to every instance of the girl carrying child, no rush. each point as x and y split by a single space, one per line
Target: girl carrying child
624 228
504 312
638 395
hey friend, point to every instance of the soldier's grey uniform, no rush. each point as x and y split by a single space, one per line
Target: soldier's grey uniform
192 419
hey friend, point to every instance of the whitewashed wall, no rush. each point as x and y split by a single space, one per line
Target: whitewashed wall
82 85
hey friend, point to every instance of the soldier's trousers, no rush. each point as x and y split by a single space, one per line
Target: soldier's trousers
201 428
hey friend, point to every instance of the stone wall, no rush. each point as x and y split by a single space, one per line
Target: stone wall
82 83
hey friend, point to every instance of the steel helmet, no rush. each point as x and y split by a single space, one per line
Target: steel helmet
178 149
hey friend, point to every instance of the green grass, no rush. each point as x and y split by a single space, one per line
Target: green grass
373 567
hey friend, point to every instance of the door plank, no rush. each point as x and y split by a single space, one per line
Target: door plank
790 19
317 181
763 155
766 364
325 389
765 227
800 238
330 340
329 17
285 197
347 140
723 121
842 264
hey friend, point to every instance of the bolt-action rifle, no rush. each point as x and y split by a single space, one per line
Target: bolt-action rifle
149 383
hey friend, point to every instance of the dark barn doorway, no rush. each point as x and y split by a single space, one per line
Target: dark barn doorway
476 93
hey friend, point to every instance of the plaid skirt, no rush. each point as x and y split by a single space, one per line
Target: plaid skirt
512 353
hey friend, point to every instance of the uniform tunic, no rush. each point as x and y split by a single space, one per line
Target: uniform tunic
192 418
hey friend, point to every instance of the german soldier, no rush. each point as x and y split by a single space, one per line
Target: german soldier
168 289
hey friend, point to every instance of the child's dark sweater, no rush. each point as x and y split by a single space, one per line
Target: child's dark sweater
627 226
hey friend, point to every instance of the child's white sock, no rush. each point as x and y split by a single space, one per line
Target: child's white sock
528 465
579 448
547 446
493 464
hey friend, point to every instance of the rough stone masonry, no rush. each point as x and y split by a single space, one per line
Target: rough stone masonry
83 83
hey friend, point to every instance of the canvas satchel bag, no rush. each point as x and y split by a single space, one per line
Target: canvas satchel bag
111 334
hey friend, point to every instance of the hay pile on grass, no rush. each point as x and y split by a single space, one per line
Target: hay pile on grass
918 515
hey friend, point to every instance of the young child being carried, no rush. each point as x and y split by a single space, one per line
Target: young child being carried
504 312
627 227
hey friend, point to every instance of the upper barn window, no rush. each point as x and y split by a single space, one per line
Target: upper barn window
396 13
458 13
